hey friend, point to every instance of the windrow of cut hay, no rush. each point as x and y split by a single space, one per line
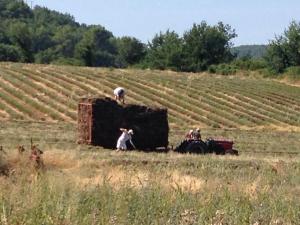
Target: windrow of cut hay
52 92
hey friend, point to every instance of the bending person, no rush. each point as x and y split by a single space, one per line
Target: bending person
119 94
125 136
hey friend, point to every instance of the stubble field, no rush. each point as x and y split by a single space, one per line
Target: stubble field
91 185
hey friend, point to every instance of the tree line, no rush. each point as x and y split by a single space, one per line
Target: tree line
41 35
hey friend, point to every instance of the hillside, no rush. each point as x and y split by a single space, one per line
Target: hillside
51 93
254 51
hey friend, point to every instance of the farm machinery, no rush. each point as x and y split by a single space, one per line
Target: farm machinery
216 146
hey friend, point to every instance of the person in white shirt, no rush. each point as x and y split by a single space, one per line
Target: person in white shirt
125 136
189 135
119 94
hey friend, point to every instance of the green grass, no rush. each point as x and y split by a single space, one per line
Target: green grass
63 135
62 204
91 185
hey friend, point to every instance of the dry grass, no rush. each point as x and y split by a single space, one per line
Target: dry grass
140 170
291 82
197 189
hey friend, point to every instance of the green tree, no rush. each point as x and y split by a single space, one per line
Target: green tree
65 39
277 55
42 38
206 45
284 50
51 18
14 9
97 47
130 51
165 51
292 43
10 53
20 36
3 36
55 36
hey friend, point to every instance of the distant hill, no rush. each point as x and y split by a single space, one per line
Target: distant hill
254 51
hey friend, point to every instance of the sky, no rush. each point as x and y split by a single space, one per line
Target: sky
255 21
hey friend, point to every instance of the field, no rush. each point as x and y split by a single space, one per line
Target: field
51 93
91 185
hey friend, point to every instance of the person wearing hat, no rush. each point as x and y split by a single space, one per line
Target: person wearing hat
119 94
197 135
189 135
125 136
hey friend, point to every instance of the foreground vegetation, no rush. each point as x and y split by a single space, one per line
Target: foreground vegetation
207 191
90 185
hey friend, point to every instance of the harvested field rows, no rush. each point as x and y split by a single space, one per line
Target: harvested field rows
51 93
63 135
125 184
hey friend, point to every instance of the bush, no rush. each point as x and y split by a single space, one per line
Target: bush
11 53
45 57
249 64
268 72
68 61
223 69
293 72
212 69
3 163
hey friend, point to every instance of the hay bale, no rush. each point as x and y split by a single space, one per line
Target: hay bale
100 120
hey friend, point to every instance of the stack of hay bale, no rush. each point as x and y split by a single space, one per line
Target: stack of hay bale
100 120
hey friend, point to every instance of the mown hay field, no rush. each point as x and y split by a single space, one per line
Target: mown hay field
51 93
91 185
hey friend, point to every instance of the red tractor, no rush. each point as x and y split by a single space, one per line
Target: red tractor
217 146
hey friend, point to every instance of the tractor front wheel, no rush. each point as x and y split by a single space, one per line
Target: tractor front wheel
232 152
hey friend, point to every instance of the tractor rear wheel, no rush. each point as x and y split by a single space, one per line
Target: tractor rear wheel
197 147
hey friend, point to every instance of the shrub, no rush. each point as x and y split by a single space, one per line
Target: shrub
3 163
212 69
68 61
268 73
11 53
249 64
223 69
293 72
